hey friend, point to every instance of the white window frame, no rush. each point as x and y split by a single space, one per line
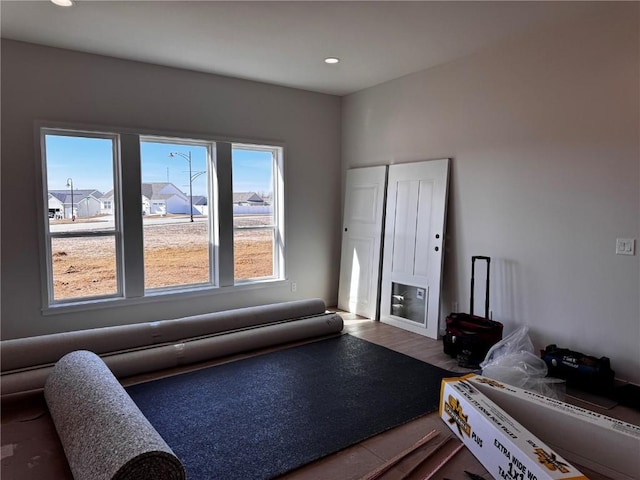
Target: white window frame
127 205
277 226
116 233
212 192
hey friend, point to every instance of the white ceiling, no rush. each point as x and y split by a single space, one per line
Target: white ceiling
283 43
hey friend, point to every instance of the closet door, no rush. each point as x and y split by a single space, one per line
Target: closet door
361 240
413 246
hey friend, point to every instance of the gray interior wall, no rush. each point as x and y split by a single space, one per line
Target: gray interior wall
543 132
40 83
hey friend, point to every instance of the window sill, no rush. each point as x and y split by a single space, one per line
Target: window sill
158 296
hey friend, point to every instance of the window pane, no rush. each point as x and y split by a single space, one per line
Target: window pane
83 267
175 209
248 220
253 205
175 253
79 183
253 253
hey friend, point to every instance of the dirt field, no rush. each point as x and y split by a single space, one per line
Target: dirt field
175 254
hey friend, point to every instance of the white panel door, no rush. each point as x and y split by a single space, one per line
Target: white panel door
361 239
413 246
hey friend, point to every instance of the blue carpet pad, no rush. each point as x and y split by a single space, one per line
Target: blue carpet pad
261 417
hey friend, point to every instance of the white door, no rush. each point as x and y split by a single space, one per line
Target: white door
361 237
413 246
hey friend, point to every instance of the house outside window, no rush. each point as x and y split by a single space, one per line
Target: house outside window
182 219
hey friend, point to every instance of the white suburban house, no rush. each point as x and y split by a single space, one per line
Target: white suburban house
250 203
200 204
81 203
160 199
244 199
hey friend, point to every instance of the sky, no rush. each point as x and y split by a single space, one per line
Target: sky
88 163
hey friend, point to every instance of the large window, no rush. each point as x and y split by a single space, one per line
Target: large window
82 242
256 219
130 215
175 209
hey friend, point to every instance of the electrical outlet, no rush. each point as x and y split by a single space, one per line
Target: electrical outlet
294 286
454 307
625 246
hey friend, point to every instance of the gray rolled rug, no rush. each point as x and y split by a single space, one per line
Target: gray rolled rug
104 434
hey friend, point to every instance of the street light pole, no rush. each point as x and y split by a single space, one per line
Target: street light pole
188 159
70 184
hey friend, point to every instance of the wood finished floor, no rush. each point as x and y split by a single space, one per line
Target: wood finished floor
30 449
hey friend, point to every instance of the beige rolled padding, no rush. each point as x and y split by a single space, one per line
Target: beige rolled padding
43 350
185 353
104 434
159 357
24 381
26 362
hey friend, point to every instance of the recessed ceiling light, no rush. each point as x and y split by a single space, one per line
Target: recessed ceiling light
63 3
331 60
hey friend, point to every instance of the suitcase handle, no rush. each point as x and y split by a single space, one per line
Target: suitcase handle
473 281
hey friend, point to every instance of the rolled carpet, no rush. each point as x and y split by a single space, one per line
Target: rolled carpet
104 434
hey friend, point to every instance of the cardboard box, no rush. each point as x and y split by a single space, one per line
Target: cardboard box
603 444
506 449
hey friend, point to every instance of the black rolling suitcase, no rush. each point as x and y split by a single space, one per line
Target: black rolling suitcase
469 337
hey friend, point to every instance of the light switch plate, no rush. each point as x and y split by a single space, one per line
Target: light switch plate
625 246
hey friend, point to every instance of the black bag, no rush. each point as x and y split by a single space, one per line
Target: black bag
581 371
469 337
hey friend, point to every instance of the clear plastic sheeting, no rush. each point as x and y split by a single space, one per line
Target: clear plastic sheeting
513 361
